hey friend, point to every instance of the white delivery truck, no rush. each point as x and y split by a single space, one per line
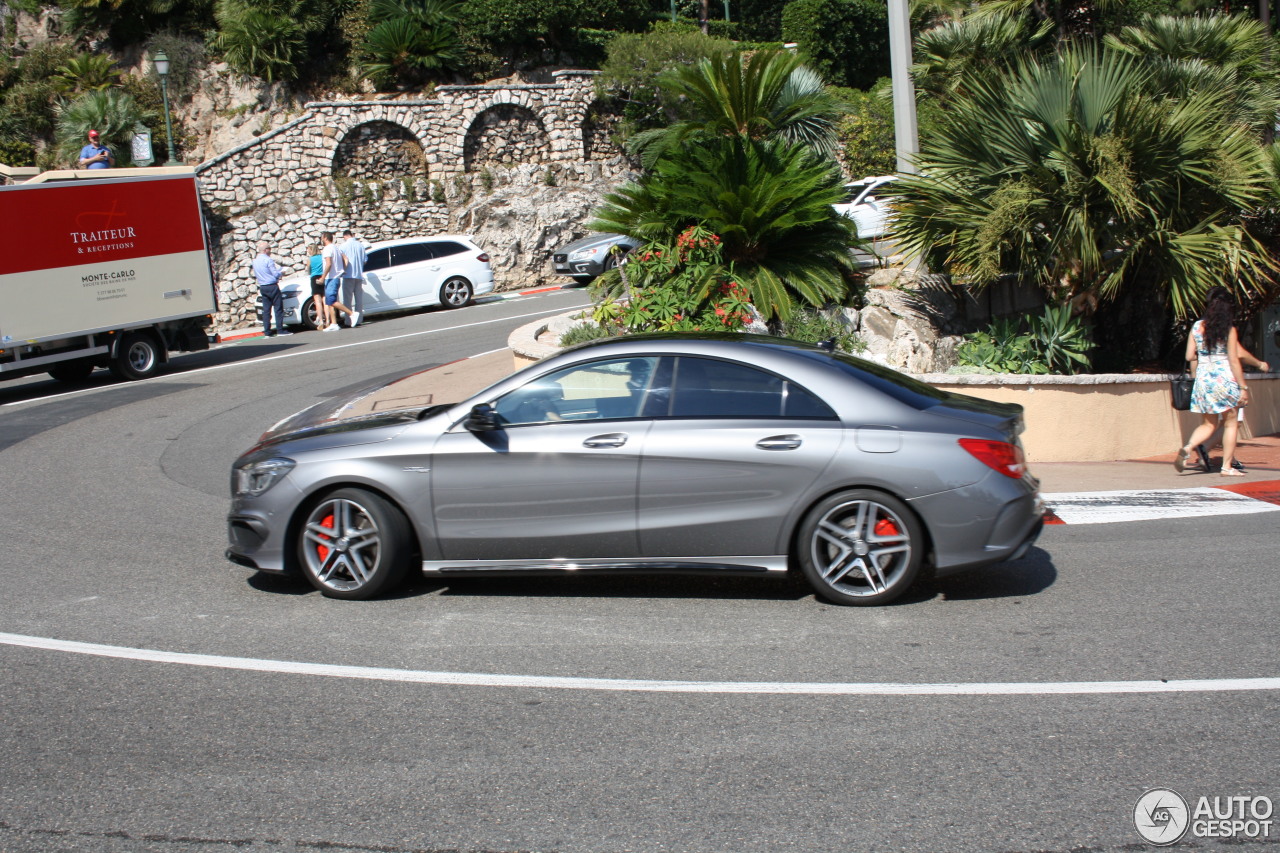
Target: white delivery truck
102 268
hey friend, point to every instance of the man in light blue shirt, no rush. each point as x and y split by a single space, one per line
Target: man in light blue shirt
353 278
268 274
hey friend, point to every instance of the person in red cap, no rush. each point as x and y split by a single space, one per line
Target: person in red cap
95 155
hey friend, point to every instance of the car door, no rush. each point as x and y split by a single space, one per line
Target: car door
726 465
376 297
411 279
558 479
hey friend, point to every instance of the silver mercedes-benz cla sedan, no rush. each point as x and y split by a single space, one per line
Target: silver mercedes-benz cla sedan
658 453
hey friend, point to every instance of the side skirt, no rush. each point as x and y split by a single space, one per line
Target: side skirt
667 565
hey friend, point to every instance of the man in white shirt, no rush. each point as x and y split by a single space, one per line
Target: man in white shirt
334 269
353 278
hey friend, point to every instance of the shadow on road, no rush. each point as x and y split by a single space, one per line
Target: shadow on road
1028 576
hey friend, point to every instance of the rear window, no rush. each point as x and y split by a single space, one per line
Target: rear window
901 387
445 248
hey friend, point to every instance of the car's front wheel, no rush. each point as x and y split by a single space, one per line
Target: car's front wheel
313 312
860 547
354 544
455 292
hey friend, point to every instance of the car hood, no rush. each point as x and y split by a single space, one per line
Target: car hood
372 413
296 282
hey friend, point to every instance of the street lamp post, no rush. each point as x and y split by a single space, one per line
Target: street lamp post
161 61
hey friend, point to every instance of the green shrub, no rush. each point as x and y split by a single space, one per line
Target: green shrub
846 41
823 324
1053 342
486 179
583 332
682 288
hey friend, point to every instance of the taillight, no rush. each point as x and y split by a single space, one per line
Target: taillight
998 455
483 257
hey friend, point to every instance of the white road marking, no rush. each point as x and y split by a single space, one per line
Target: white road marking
173 376
1146 505
466 679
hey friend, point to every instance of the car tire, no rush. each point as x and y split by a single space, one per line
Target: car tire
311 312
76 370
455 292
353 544
137 357
860 547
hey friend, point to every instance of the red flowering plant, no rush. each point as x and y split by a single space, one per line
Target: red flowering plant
680 288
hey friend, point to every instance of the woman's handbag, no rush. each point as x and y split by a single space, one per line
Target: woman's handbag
1180 391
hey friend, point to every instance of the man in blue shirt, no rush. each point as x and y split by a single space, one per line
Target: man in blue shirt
268 274
353 277
95 155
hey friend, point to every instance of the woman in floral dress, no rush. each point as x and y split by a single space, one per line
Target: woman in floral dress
1214 352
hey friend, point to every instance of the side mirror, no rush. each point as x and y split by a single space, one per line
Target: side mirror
482 419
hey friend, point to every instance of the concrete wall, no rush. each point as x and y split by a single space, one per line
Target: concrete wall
1105 417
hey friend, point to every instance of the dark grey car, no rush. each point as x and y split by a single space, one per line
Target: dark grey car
583 260
708 453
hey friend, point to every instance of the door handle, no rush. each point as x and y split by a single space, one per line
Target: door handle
779 442
610 439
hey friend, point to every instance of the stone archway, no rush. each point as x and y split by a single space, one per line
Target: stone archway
599 125
379 151
506 134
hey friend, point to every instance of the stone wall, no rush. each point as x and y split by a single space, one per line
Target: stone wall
519 168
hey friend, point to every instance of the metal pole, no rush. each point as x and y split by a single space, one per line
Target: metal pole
673 11
726 11
905 135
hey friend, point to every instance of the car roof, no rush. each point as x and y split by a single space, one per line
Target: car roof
404 241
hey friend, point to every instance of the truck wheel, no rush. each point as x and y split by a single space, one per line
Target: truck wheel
72 371
312 312
137 357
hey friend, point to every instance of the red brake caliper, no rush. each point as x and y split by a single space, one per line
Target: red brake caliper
886 527
321 551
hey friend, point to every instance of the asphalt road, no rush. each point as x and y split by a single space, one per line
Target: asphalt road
112 518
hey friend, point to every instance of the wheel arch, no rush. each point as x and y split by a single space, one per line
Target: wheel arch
304 506
797 520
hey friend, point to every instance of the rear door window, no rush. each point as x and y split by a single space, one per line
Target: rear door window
710 388
379 259
410 253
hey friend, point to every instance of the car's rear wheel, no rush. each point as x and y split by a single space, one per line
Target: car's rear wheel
455 292
860 547
354 544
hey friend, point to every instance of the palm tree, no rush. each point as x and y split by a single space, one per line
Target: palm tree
264 38
1073 173
770 203
111 112
410 40
978 45
1229 55
767 94
85 72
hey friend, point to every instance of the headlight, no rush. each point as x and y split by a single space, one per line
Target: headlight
583 254
256 477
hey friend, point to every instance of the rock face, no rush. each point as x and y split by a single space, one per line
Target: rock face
910 322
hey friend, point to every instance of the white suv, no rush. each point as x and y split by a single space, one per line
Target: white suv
413 272
867 203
